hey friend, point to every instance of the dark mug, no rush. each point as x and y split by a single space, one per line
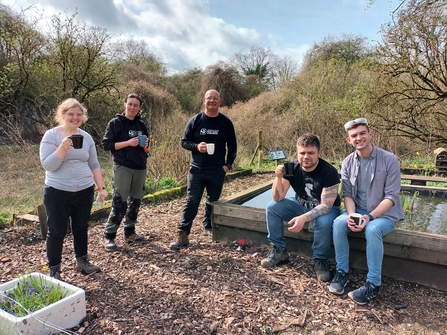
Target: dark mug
357 218
288 169
77 140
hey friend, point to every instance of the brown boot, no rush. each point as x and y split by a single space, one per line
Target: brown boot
55 271
84 266
182 241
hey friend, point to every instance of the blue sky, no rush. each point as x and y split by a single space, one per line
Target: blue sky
187 33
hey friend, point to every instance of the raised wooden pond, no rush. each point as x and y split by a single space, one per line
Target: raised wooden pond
410 256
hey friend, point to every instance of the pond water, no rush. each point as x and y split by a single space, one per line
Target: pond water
428 214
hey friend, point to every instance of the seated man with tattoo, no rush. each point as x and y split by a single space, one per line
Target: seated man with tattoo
315 183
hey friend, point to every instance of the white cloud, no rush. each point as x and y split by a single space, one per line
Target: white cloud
186 33
181 33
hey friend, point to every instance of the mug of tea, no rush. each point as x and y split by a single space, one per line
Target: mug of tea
210 148
77 140
288 169
357 218
142 140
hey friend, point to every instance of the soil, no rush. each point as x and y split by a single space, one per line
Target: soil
214 287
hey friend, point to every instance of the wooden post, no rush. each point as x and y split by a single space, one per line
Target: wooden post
42 213
260 149
254 154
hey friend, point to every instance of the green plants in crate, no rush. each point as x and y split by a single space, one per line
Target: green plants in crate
29 295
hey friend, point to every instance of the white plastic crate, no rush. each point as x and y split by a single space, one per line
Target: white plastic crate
65 313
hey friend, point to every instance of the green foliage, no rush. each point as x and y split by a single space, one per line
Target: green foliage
152 185
420 161
188 85
30 295
5 218
407 202
167 183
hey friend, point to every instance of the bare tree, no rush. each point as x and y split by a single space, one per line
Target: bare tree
22 50
225 79
413 77
80 58
284 69
256 62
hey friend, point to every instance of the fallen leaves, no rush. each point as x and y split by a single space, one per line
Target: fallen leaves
212 288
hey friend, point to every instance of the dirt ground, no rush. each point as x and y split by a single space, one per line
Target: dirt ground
214 288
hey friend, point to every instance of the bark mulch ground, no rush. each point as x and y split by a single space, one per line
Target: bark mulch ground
214 288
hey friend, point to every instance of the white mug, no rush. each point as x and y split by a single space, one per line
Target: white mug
210 148
359 220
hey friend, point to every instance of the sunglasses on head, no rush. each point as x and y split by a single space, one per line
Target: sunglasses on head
360 120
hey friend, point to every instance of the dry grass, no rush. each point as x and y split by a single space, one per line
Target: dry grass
22 177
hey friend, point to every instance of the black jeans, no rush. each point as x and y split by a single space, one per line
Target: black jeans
60 207
198 180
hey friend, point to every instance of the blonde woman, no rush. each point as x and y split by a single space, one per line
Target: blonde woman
70 178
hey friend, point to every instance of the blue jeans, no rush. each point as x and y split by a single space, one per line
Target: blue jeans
374 232
60 206
288 208
198 180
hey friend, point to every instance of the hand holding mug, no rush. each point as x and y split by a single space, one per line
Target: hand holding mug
358 222
133 142
66 143
201 147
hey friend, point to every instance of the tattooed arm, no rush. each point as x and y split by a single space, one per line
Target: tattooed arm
280 186
328 196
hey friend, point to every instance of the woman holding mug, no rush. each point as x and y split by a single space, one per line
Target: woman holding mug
69 185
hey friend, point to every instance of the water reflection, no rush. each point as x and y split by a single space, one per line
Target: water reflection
428 214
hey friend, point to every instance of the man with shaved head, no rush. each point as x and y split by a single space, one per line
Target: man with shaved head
211 138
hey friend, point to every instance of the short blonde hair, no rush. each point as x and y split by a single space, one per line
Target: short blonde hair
65 106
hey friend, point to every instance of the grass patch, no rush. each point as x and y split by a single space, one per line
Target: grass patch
22 177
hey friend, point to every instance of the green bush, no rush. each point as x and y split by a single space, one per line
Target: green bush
5 218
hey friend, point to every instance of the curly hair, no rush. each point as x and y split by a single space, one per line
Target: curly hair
65 106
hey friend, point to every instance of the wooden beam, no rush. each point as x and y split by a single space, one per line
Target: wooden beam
408 255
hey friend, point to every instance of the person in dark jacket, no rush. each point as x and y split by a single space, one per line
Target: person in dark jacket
129 170
207 135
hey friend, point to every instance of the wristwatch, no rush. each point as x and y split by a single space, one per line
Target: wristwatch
229 166
370 217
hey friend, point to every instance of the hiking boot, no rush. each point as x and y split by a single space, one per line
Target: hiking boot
55 271
322 270
133 238
84 266
339 282
182 241
110 244
274 257
364 293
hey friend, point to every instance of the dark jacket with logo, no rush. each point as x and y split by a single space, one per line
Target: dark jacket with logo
218 130
121 129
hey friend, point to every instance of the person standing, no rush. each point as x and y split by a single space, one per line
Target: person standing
316 199
129 170
70 175
211 138
371 186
